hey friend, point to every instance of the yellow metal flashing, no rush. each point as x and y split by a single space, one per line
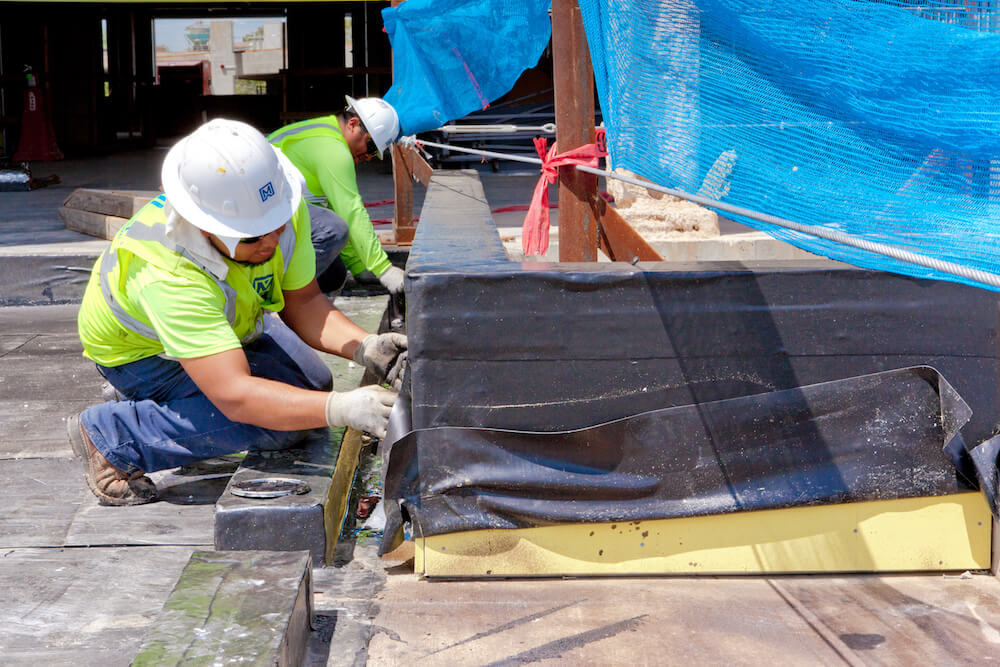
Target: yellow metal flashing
339 492
902 535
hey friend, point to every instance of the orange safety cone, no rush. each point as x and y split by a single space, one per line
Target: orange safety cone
38 137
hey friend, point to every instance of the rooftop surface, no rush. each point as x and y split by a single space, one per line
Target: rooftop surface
83 583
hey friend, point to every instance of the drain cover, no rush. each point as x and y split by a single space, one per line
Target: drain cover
269 487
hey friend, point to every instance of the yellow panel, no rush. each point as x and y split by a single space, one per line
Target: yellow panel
910 534
339 491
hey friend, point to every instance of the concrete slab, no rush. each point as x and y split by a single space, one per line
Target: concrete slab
43 379
801 620
82 606
35 428
675 621
40 497
160 523
21 320
252 606
366 312
344 600
47 504
28 370
952 619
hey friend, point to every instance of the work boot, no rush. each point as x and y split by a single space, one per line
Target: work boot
109 393
111 485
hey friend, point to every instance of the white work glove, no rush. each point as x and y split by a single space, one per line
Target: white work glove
365 409
385 355
392 279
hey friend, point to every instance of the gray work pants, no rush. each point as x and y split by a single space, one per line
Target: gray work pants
329 236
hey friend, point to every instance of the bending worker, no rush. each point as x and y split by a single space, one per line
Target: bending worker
176 318
325 150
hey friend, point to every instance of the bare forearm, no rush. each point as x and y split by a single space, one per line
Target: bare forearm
275 405
226 380
322 326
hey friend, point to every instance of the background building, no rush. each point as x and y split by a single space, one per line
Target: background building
109 87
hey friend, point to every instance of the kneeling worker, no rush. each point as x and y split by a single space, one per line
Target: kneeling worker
325 150
175 318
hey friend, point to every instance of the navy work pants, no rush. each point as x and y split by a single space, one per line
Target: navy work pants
166 421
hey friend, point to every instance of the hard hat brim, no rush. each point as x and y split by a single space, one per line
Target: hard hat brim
182 202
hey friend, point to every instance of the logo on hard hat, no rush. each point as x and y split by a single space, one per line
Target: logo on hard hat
266 192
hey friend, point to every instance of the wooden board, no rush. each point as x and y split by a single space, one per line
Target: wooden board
117 203
95 224
910 534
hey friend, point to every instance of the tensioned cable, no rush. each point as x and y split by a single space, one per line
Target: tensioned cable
969 273
547 128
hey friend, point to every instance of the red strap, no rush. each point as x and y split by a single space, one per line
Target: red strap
535 233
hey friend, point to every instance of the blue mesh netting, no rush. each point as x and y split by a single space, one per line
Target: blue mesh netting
453 57
880 119
877 118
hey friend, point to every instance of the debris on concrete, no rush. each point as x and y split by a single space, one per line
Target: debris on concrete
657 216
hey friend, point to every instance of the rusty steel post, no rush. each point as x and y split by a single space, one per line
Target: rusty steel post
403 228
574 100
402 215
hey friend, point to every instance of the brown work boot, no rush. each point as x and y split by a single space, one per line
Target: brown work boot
111 485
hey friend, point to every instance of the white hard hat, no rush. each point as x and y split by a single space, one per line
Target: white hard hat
379 119
226 179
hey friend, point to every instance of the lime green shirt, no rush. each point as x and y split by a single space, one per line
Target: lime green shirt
326 162
181 309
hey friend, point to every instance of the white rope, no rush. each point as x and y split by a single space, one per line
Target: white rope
502 156
883 249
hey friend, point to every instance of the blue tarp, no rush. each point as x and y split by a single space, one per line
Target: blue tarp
453 57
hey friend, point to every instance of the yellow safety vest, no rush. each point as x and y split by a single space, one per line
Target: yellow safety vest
331 178
143 240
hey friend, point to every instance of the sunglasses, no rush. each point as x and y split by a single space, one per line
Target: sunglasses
372 147
250 240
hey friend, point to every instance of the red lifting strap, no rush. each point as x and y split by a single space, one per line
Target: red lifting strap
535 233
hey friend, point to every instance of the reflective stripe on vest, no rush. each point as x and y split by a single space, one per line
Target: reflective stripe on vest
278 138
108 263
157 234
287 244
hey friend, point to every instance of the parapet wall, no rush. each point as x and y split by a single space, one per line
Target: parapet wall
559 346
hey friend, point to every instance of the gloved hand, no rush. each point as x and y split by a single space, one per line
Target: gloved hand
385 355
392 279
365 409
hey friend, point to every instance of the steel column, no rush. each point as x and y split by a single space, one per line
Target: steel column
574 101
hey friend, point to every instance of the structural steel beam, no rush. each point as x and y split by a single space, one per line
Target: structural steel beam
618 239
